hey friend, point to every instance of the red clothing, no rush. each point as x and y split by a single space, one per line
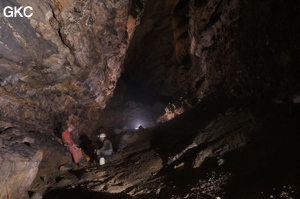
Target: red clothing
76 153
66 137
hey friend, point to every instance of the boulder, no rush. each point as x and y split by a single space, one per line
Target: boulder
18 168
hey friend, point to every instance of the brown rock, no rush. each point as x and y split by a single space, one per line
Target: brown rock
68 54
18 169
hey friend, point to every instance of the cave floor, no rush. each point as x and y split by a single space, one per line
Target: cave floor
246 150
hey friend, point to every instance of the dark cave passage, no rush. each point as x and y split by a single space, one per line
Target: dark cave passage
200 99
139 94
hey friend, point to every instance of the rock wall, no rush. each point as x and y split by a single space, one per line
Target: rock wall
150 56
19 165
63 60
244 48
59 66
62 64
25 158
234 48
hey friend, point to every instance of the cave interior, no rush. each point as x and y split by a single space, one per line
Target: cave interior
199 98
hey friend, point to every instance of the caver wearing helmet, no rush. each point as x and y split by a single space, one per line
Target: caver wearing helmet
71 127
106 148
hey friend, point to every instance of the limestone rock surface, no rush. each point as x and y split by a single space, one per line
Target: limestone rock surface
18 168
63 60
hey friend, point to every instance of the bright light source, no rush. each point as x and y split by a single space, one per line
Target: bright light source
138 126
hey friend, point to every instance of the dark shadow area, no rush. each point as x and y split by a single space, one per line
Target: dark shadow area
58 179
186 177
117 139
139 94
30 193
150 58
78 173
81 194
271 162
58 130
135 5
267 166
88 148
58 125
27 144
7 130
172 137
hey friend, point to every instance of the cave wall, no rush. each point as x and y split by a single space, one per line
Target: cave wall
25 158
150 57
60 62
238 49
60 66
17 176
245 48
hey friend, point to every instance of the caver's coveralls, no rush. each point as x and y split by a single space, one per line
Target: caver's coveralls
76 152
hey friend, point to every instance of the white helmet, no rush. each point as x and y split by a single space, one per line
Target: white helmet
102 135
